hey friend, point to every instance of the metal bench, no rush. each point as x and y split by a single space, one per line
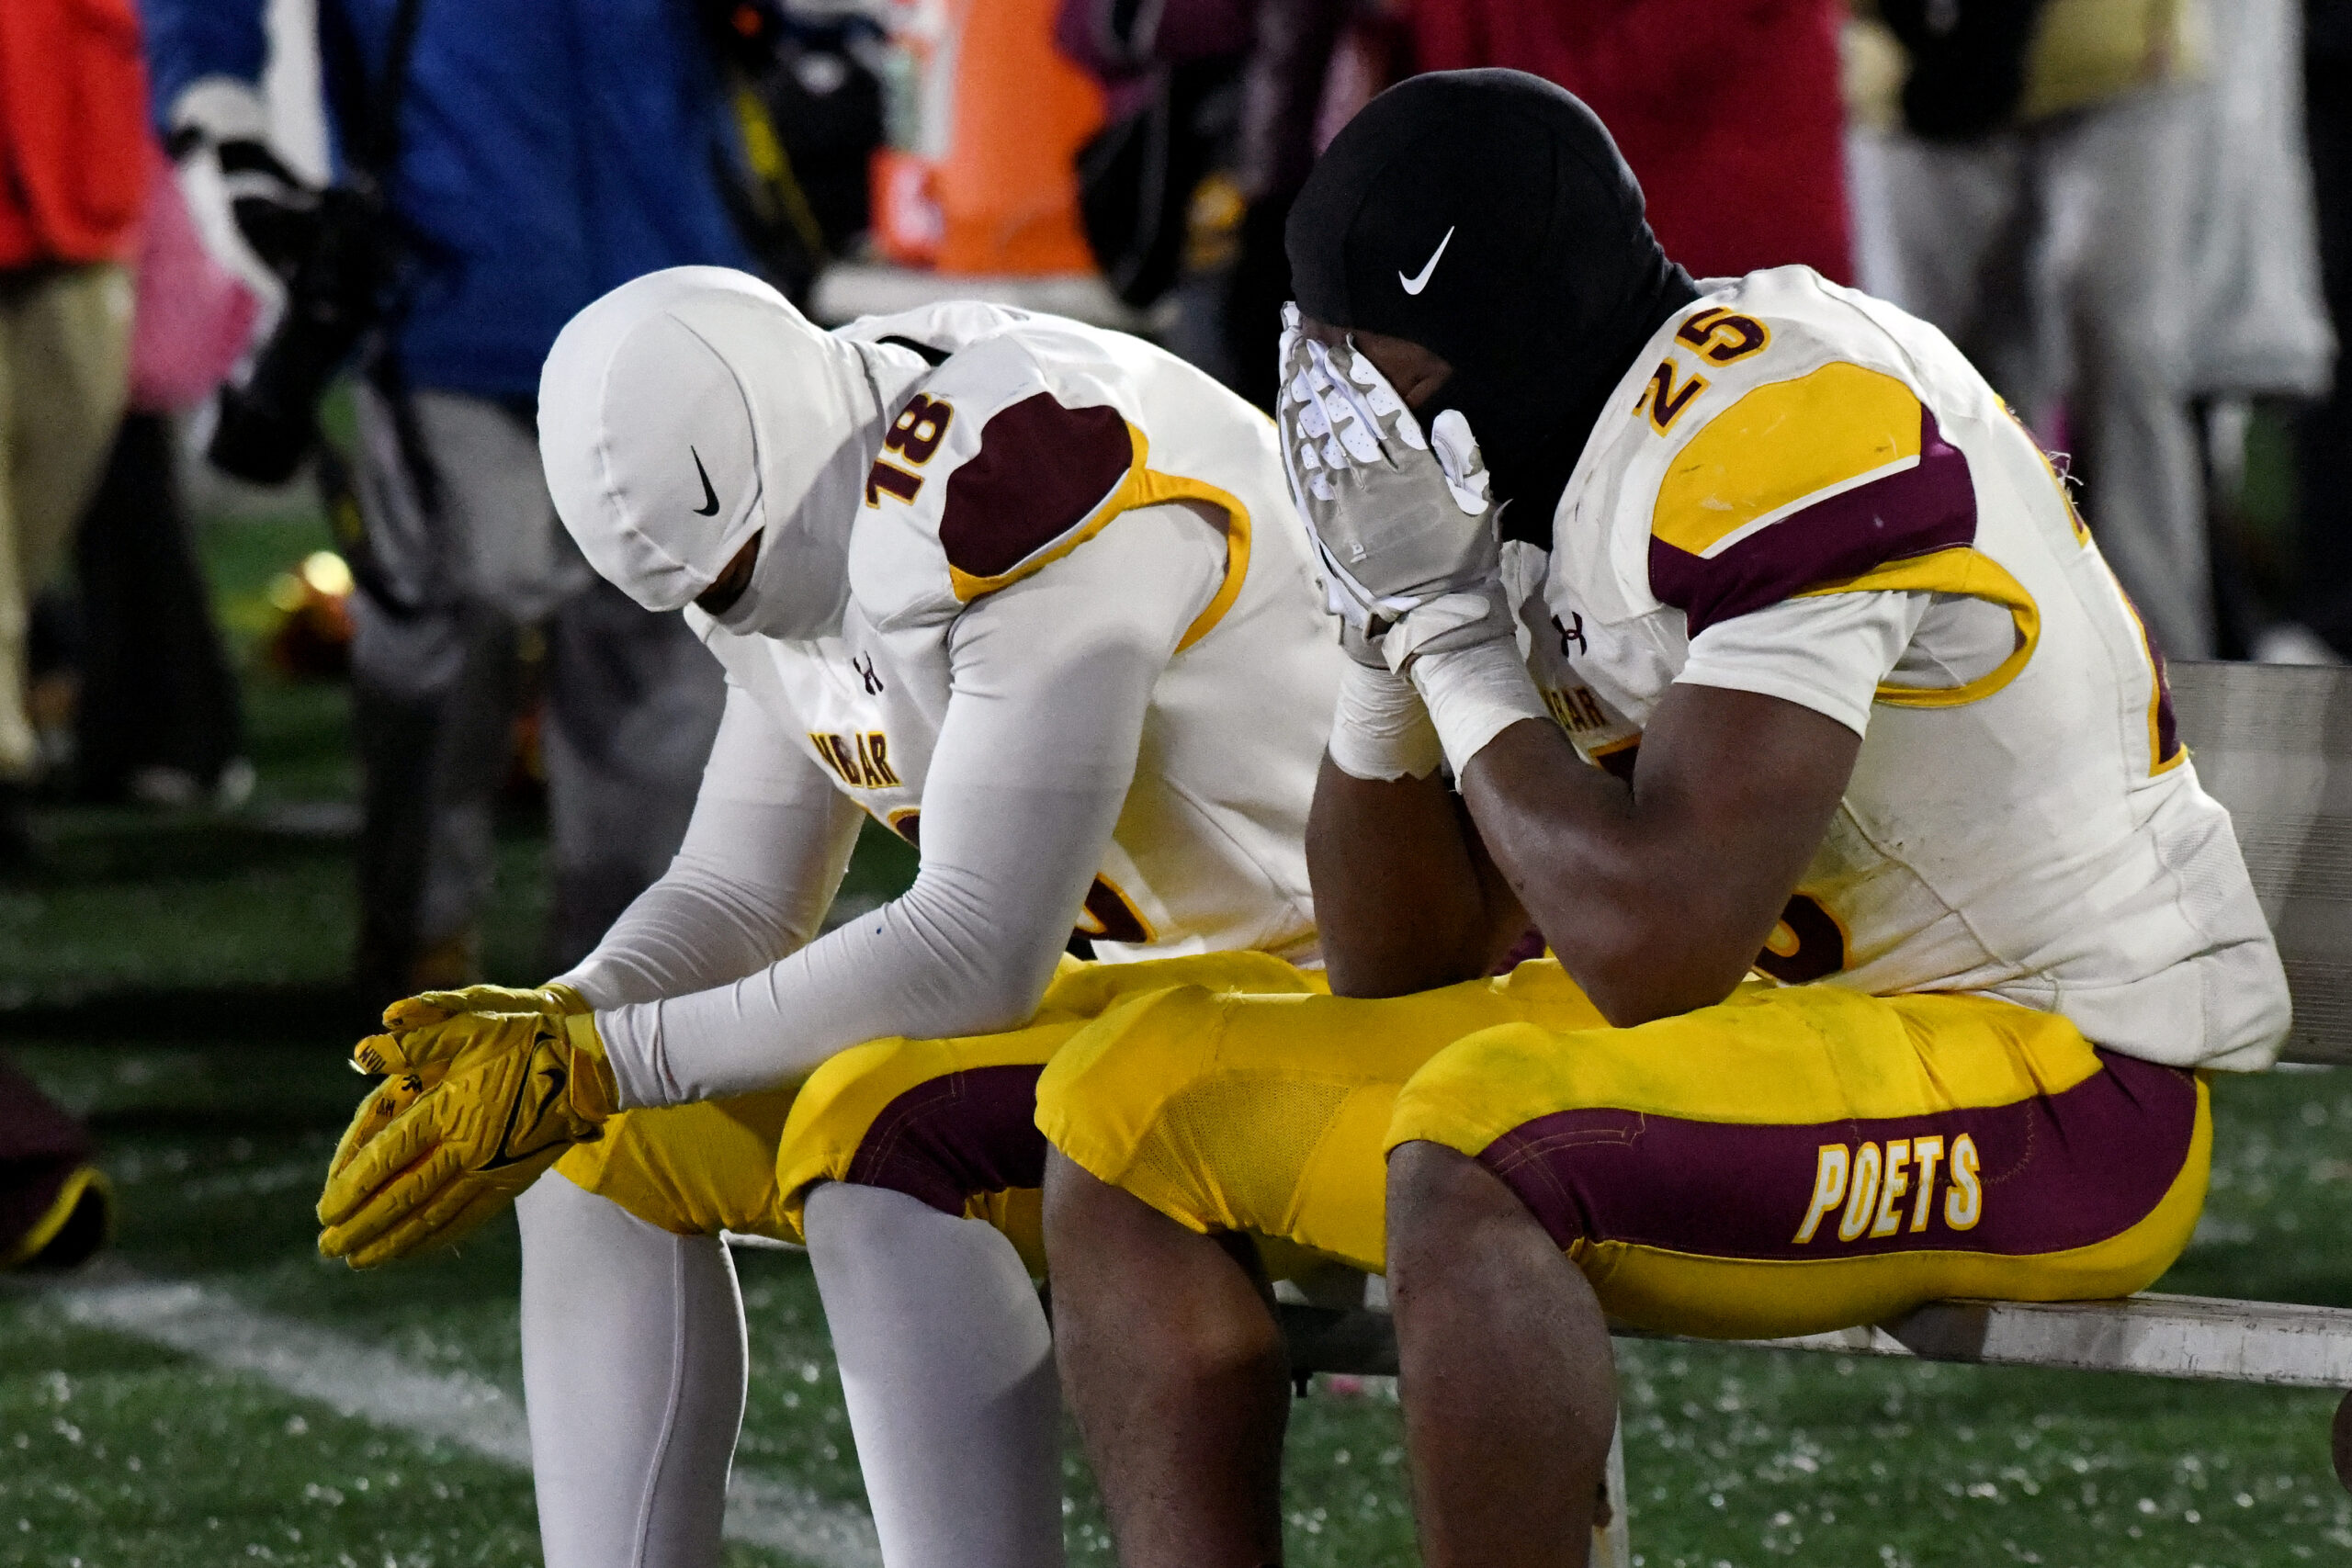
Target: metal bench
2267 740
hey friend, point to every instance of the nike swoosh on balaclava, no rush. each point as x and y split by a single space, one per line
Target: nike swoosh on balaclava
700 384
1549 281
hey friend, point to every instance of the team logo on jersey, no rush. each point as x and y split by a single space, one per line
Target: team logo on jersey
1865 1186
1575 709
1421 280
861 759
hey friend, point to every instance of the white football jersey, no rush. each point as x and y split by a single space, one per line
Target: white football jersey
1030 434
2024 824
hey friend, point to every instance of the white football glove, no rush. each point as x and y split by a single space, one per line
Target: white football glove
1403 523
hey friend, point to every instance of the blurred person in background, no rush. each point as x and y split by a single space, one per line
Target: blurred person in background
526 158
2028 178
1728 110
72 181
158 718
2323 611
1213 112
1744 169
2259 332
72 177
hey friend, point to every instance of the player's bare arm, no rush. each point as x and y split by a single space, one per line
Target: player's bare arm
1658 895
1656 892
1407 897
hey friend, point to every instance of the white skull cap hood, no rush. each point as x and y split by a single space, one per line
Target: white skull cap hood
690 409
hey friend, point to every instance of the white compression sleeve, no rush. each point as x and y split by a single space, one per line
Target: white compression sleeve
1830 651
633 1370
1051 680
770 838
947 1365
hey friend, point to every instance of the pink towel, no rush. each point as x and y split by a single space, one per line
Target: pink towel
194 316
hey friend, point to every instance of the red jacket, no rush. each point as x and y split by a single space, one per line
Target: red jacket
1728 110
73 131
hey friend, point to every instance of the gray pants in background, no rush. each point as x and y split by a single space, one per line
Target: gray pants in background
631 699
2058 257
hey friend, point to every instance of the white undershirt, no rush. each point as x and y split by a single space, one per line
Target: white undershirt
710 985
1831 652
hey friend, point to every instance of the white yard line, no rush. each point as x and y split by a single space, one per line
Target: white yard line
379 1387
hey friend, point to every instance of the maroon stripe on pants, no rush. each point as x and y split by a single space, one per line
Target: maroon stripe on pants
2057 1171
956 1136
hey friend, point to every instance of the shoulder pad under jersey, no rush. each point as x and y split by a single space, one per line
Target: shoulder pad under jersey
1783 443
936 330
1009 456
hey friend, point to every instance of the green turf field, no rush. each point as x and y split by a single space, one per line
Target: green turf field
174 978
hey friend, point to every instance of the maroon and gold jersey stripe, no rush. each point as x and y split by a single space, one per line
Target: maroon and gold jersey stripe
1780 445
1048 478
1042 471
1920 501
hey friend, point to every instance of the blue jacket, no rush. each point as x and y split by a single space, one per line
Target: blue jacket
549 150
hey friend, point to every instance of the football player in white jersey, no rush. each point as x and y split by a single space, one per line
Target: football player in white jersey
1888 962
1029 595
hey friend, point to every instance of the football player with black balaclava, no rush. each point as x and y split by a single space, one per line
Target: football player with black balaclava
1888 829
1532 273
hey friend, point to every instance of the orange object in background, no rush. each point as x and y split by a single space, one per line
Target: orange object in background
1001 144
313 638
905 203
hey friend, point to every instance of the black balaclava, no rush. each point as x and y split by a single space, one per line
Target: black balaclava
1549 280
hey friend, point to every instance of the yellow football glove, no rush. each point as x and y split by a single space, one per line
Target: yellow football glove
425 1060
383 1108
420 1166
439 1007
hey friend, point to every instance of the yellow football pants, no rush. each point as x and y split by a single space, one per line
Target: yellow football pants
950 1122
1789 1161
